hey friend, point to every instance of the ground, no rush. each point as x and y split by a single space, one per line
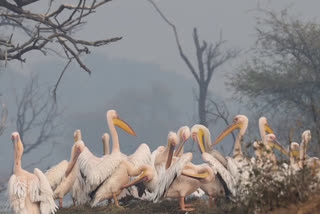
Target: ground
312 206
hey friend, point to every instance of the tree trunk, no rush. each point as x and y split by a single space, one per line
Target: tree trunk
202 105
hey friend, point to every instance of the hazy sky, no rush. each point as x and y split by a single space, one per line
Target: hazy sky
135 63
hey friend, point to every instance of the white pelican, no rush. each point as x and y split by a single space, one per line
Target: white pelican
60 183
212 189
28 193
172 182
112 187
305 161
79 196
95 170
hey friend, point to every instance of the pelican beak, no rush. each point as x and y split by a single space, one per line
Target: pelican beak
295 153
169 160
73 161
141 178
227 131
268 129
181 144
125 126
198 137
278 146
196 176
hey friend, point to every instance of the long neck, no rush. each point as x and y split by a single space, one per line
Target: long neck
114 135
180 146
106 147
302 153
132 170
17 157
262 133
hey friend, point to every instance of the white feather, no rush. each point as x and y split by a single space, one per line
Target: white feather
17 192
218 167
56 173
96 170
166 177
45 196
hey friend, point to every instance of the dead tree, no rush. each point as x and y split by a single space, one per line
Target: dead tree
50 31
209 58
37 116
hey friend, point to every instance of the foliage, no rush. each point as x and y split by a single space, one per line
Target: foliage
283 75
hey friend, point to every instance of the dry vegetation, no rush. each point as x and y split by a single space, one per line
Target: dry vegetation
297 193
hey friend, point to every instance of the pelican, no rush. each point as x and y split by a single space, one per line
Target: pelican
28 193
213 189
269 145
112 187
60 183
304 161
177 181
79 196
95 170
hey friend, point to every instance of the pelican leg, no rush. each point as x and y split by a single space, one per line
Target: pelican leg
74 201
183 205
211 202
60 203
116 202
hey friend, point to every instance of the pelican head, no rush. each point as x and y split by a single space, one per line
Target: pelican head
271 140
263 122
113 116
294 150
199 133
172 142
306 136
15 137
239 122
183 134
77 135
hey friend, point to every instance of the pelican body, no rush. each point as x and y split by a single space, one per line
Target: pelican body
29 193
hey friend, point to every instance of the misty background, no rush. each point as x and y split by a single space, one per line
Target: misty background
141 76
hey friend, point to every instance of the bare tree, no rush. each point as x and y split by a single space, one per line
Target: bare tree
37 116
209 58
49 31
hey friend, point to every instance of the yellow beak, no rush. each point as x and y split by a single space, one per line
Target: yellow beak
196 176
199 140
279 147
268 129
227 131
121 124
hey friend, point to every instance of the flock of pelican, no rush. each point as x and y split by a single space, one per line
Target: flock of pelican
164 173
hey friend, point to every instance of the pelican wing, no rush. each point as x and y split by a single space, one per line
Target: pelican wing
141 156
56 173
40 191
96 170
155 153
79 192
167 177
218 156
218 167
17 192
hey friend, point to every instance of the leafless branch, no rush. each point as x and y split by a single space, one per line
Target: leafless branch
52 30
183 56
36 111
